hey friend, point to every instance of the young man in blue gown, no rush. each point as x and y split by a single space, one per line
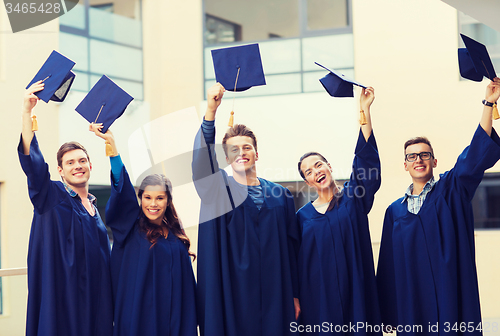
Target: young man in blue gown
69 280
248 238
426 275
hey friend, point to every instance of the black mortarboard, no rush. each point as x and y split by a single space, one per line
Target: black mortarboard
475 54
239 67
338 85
57 76
105 103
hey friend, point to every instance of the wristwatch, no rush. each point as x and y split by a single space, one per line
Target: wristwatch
487 103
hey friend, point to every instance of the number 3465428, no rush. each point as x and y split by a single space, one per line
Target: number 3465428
47 8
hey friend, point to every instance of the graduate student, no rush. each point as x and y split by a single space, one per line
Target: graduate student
426 273
69 281
248 238
336 270
153 281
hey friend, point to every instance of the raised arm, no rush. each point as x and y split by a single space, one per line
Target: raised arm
492 94
365 178
204 157
365 102
29 102
122 208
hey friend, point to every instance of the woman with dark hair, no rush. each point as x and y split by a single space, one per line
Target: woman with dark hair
336 269
151 272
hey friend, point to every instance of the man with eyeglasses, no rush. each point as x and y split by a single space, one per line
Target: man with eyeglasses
426 273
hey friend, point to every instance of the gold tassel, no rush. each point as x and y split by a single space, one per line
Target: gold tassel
231 120
495 112
34 124
362 120
109 149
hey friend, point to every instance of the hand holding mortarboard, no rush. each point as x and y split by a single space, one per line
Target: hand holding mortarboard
475 63
339 86
238 69
29 122
30 99
105 103
366 99
108 137
493 91
57 76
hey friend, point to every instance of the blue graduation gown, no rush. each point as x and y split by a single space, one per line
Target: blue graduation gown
336 270
427 269
247 268
153 287
69 280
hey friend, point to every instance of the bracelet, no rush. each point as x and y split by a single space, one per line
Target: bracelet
487 103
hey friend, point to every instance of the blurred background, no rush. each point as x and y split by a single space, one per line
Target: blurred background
159 52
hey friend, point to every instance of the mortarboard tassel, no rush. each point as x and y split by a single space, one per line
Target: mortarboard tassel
495 112
109 149
34 123
231 117
362 119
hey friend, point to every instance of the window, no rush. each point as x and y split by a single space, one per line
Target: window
104 37
481 33
485 203
292 35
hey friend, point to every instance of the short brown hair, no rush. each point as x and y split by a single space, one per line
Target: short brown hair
418 140
68 147
238 130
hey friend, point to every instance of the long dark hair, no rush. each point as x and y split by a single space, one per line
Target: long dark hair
336 195
170 219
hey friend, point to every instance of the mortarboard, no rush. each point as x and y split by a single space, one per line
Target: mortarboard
475 63
474 60
238 68
57 76
105 103
338 85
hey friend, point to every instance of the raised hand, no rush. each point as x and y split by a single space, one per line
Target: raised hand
30 99
214 98
367 97
493 90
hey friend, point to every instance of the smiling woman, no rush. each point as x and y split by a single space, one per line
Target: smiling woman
151 272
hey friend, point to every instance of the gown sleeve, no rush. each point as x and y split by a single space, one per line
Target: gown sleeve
365 177
210 181
122 208
482 153
39 184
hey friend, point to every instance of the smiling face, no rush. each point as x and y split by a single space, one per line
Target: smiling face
76 168
317 173
241 154
154 201
420 170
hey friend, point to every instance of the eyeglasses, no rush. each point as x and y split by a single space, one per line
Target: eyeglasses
412 157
